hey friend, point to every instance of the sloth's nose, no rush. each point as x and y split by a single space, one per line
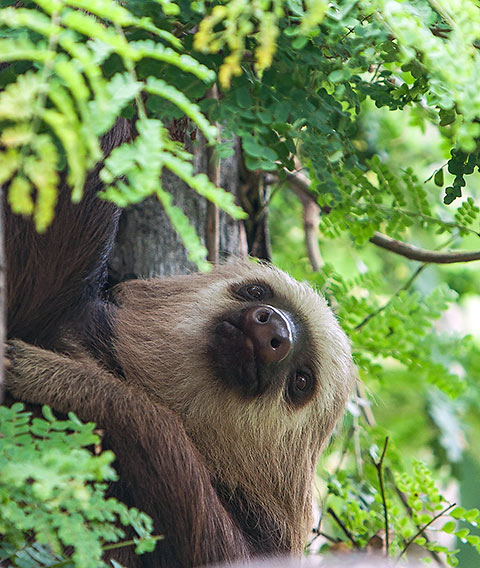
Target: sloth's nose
270 332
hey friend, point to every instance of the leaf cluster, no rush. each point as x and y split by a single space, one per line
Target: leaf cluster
81 61
53 493
417 512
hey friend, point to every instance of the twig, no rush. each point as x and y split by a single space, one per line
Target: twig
343 454
406 286
379 467
116 545
329 538
311 222
423 255
212 231
365 408
409 510
343 527
425 527
357 446
338 467
301 183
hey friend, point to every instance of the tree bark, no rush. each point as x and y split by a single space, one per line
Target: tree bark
147 245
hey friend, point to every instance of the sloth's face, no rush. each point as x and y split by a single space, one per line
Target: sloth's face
242 353
262 348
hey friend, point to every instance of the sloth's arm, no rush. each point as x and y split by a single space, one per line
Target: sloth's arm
159 468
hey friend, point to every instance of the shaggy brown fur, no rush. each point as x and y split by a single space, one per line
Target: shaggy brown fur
214 439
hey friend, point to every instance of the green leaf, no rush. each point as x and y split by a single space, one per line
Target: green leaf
20 196
106 10
438 177
162 89
23 49
449 527
202 185
32 19
19 100
10 162
148 48
252 147
458 513
42 171
88 26
462 533
121 90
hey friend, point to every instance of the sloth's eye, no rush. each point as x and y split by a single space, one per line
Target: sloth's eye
255 292
300 387
301 382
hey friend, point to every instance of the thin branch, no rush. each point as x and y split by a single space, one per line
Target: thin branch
311 222
338 467
379 467
403 499
425 527
343 527
423 255
116 545
344 451
300 183
365 408
405 287
212 229
329 538
357 446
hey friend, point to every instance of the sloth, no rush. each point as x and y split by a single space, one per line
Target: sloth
216 391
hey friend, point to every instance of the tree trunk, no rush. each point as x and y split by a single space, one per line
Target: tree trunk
147 245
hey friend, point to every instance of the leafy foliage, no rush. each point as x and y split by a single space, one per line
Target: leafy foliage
53 492
302 85
60 109
356 504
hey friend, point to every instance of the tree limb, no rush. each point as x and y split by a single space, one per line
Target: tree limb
301 184
379 467
423 255
311 222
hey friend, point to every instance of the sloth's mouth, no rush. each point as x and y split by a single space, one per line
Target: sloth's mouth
234 359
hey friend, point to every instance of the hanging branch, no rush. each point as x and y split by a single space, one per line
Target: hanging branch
343 527
300 183
436 557
379 467
423 255
311 222
403 288
424 528
212 231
